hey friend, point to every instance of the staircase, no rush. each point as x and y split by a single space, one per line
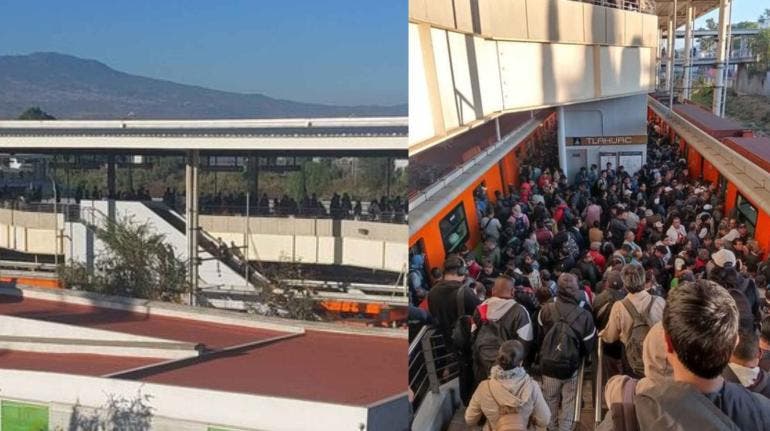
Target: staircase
213 273
224 254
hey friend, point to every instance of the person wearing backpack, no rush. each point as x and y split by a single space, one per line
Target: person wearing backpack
699 398
509 400
519 222
498 319
632 317
566 337
451 303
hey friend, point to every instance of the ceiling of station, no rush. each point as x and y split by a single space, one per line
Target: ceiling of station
663 9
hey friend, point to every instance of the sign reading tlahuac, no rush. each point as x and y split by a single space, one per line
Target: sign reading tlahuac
607 140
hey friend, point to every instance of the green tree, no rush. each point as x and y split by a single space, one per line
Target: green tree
760 45
745 25
35 113
137 263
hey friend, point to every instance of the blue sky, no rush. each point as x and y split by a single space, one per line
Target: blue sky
329 51
743 10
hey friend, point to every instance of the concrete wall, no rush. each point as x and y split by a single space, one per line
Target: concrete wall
746 83
182 408
29 232
525 55
343 242
623 116
539 20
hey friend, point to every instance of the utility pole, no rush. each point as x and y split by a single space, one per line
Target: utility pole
191 218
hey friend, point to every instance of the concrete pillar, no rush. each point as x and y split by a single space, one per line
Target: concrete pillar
687 52
191 217
253 169
669 52
561 141
671 56
111 180
716 106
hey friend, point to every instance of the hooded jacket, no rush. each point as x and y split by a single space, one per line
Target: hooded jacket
513 317
679 406
761 384
514 389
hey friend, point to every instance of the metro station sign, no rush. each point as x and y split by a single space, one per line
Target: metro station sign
606 140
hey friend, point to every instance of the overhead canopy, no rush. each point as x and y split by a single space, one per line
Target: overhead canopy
700 7
349 135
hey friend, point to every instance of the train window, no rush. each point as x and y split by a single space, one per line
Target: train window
454 229
747 213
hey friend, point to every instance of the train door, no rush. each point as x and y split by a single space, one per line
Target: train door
605 158
746 213
419 248
721 185
454 229
576 159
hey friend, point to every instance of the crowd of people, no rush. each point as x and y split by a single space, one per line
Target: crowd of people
646 264
386 209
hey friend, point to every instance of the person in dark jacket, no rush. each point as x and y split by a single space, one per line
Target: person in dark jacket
589 270
700 323
764 344
560 393
443 307
743 367
725 274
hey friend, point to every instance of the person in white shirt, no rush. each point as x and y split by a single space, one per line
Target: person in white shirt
676 233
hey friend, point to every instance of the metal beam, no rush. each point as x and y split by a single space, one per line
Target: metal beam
716 106
687 52
191 219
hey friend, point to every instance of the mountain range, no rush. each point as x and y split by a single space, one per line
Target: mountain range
69 87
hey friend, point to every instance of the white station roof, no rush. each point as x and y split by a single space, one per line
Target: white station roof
303 134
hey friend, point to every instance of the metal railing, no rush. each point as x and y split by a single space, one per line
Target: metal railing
598 387
395 217
644 6
70 211
431 364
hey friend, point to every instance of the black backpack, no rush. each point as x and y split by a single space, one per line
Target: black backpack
489 337
639 328
519 227
461 331
560 352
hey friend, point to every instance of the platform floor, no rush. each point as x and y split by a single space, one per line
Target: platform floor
586 414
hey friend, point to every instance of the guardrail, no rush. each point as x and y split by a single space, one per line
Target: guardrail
431 364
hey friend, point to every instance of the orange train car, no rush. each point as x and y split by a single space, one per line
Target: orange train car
731 134
446 220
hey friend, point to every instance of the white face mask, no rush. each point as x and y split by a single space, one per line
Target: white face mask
657 201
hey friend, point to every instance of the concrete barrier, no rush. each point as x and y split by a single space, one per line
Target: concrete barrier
364 244
176 407
31 335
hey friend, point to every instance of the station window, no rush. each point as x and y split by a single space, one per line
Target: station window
746 213
454 229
